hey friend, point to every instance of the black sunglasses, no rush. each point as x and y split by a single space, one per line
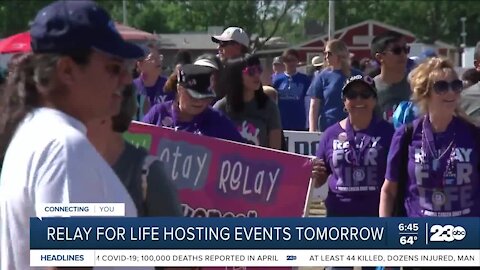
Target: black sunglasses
362 94
398 50
441 87
226 43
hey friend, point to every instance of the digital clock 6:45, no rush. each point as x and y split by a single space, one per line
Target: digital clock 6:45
409 227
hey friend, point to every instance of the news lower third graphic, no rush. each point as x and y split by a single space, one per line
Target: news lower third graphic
80 210
253 242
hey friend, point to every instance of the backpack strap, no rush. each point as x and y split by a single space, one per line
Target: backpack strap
406 140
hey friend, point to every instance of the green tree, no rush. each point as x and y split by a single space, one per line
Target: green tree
272 16
428 20
16 14
262 18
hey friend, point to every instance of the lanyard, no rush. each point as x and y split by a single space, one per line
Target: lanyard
439 161
356 155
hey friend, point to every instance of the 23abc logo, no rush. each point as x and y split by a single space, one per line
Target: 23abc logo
447 233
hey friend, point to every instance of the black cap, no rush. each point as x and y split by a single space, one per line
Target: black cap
363 79
67 26
197 80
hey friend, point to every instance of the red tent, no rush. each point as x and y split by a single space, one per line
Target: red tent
19 43
16 44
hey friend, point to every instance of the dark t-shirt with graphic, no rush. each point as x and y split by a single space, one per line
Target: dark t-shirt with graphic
390 96
254 124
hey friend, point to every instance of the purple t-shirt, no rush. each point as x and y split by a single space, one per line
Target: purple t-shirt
356 176
155 92
210 122
445 188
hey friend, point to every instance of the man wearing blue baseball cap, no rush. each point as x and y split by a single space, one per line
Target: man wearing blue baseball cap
76 73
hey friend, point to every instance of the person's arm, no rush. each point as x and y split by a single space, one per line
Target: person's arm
319 173
313 114
275 139
387 198
152 116
389 189
274 126
321 169
315 92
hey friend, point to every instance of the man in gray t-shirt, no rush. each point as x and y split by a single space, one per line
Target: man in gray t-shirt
470 101
391 51
390 95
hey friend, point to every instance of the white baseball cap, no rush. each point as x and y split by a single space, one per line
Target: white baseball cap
236 34
206 63
317 61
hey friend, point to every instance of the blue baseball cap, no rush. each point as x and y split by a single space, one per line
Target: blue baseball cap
67 26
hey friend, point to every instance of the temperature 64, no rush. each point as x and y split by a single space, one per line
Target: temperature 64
408 239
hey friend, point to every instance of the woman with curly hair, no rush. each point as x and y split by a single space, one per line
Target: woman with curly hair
438 152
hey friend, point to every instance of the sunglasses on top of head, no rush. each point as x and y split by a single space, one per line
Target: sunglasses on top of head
252 70
398 50
441 87
363 94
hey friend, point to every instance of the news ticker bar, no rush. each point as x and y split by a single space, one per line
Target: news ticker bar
254 233
253 258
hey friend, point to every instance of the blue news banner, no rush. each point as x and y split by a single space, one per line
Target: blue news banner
256 233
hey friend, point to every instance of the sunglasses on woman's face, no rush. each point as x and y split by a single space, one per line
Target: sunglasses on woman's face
441 87
398 50
222 44
327 53
365 94
252 70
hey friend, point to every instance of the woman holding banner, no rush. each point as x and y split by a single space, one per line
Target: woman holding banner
190 111
256 115
433 164
352 154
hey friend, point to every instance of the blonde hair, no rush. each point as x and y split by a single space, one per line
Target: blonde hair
339 48
422 80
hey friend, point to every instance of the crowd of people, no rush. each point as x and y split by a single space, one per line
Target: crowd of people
397 139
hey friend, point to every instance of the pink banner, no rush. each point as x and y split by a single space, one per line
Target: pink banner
218 178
